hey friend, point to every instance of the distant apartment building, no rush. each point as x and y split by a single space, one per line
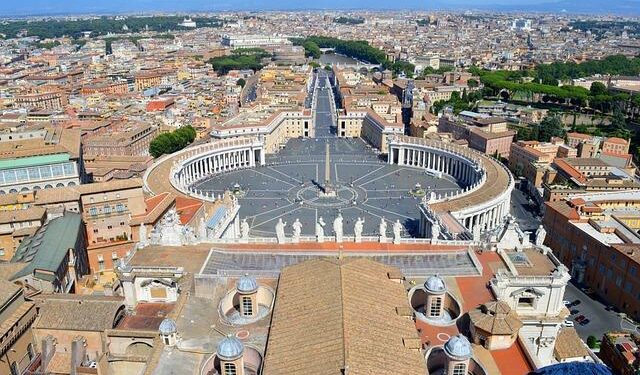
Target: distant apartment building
47 101
252 41
571 176
619 351
55 256
16 225
43 158
107 208
489 135
132 139
532 159
596 236
18 348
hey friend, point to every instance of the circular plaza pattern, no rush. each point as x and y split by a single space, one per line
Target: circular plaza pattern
290 185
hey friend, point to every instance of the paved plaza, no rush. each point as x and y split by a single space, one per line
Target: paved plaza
366 186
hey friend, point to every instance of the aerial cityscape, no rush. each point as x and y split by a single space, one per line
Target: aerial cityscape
342 188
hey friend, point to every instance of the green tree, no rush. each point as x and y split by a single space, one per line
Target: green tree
592 342
311 49
550 126
167 143
241 82
472 83
598 88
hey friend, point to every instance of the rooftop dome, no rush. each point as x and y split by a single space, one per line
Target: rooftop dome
435 284
230 348
168 327
458 347
247 284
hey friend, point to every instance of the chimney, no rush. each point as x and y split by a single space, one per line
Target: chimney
78 353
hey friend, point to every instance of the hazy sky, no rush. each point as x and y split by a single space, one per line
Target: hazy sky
36 7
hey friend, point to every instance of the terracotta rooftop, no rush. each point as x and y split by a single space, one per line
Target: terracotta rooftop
325 321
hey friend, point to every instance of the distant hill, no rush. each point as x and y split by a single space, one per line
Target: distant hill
60 7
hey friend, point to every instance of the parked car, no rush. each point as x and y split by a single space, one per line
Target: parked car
574 311
568 323
576 302
584 322
580 318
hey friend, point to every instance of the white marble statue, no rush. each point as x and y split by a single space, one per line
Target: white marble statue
397 231
541 233
435 230
169 231
244 229
280 230
202 230
382 228
297 230
337 227
143 235
358 228
320 229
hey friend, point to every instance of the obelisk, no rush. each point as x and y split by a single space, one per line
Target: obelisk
327 189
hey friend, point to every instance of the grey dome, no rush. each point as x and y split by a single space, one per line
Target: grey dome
435 284
247 284
230 348
458 347
167 327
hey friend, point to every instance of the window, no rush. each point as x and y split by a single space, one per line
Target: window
166 340
2 253
229 369
30 351
460 369
106 209
247 306
93 211
436 306
120 207
525 302
633 270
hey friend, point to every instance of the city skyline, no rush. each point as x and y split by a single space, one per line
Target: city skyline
65 7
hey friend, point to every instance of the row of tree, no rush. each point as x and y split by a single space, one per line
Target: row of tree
99 26
458 103
245 58
167 143
357 49
551 74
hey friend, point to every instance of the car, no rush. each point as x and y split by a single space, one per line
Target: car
580 318
576 302
566 303
568 323
574 311
584 322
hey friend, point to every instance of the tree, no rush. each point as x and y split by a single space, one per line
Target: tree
598 88
241 82
592 342
472 83
311 49
549 127
167 143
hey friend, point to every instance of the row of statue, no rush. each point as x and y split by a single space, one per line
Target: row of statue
338 231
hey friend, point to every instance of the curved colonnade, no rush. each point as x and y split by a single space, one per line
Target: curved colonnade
196 163
482 203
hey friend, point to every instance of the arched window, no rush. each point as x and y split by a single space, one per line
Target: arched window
436 306
247 306
460 369
229 369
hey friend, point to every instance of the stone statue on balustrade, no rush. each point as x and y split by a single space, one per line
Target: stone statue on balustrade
435 230
541 233
382 228
280 230
320 229
337 227
297 230
244 230
144 241
397 231
358 228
